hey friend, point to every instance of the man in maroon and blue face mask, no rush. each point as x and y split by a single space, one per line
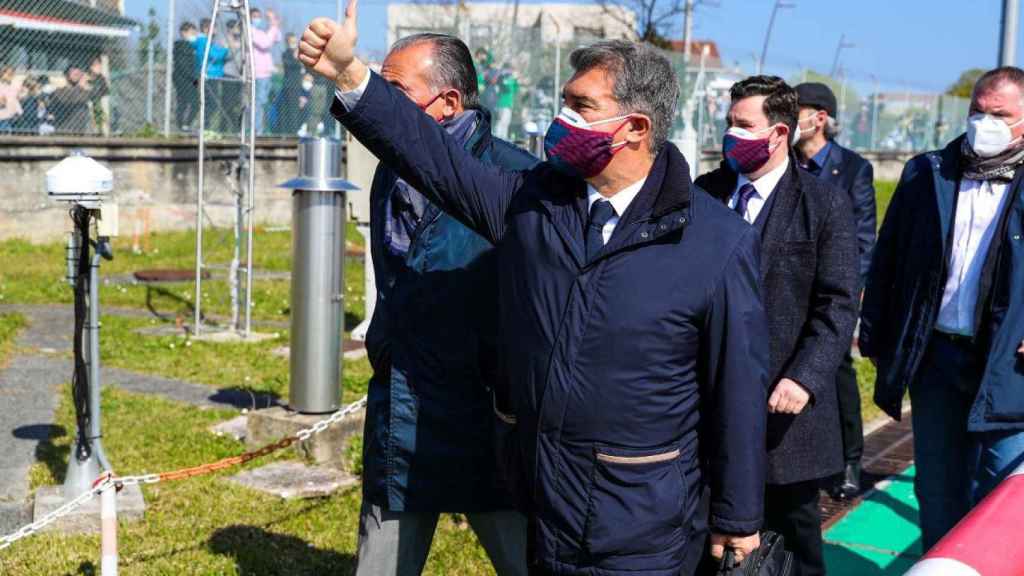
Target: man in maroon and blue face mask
633 342
809 275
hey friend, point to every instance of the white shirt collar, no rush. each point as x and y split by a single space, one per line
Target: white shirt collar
766 183
620 201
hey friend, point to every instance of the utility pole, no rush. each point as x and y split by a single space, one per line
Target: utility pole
839 50
874 114
688 8
1008 38
768 34
168 79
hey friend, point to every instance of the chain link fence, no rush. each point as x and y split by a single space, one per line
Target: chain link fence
104 67
88 67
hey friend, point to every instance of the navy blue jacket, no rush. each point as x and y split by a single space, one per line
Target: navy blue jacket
428 437
908 275
619 374
851 173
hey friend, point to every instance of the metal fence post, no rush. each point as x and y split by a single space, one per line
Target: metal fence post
149 82
168 79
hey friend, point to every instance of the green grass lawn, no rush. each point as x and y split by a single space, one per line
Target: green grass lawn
883 195
34 274
9 326
207 525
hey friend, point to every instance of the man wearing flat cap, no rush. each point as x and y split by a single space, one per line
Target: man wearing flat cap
819 153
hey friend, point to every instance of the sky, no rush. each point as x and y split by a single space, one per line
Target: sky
912 45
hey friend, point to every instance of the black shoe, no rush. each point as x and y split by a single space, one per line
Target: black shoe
850 484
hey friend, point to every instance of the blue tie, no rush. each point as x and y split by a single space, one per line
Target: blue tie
600 213
747 192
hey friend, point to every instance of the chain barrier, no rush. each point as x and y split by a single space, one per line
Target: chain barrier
108 481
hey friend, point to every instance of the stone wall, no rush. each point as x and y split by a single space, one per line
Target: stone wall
154 181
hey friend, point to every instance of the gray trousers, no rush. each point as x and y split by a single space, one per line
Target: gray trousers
397 543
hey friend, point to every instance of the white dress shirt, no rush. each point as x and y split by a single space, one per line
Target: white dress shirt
763 187
978 208
620 203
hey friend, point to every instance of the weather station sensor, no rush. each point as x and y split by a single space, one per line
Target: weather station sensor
85 184
79 179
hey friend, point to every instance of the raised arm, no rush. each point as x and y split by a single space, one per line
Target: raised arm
404 138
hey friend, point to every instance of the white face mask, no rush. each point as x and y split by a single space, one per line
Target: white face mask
573 118
803 131
989 136
307 86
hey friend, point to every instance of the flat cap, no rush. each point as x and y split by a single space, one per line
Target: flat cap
816 95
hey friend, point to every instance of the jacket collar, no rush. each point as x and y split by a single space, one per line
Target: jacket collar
477 143
721 184
833 164
651 214
945 166
787 195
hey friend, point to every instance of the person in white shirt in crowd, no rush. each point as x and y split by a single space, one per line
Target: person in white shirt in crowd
943 311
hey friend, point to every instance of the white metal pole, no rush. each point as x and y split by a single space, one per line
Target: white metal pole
874 116
150 83
1008 38
251 173
168 79
340 9
197 323
687 31
108 531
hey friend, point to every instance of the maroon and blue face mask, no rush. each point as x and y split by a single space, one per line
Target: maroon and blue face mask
572 147
744 151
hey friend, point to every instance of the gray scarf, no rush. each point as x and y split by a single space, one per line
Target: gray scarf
1000 167
405 206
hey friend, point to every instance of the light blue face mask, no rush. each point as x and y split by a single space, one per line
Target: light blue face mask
259 24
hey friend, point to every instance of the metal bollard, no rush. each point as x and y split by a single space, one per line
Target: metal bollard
317 299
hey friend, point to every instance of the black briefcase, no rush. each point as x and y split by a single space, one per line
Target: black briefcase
770 559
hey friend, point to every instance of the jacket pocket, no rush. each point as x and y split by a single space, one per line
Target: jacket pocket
637 508
508 464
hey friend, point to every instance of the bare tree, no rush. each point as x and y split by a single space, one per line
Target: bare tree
653 17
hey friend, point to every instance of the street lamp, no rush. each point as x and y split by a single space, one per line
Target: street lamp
768 34
839 49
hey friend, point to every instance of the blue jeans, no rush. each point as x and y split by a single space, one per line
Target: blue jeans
955 468
262 102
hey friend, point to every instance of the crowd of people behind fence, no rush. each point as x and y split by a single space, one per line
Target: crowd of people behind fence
39 105
289 101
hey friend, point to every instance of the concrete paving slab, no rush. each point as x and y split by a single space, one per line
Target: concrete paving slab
131 506
295 480
236 428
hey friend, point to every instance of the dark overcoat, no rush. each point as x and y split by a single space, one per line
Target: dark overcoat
809 285
851 173
428 440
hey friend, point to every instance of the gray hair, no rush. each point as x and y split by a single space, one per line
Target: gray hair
645 82
832 128
453 65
